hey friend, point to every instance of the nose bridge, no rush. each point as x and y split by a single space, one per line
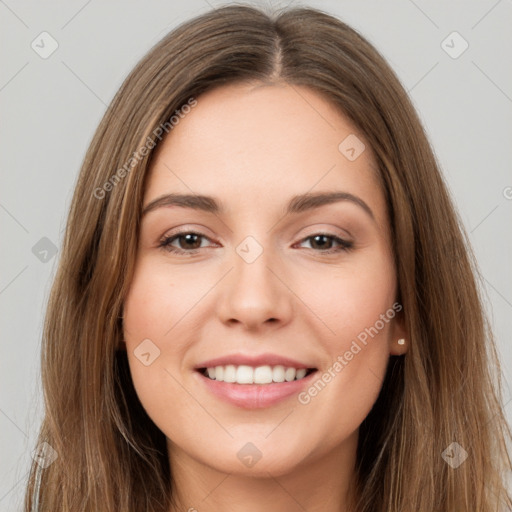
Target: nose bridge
253 293
252 263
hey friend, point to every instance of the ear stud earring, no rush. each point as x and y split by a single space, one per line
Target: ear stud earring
401 341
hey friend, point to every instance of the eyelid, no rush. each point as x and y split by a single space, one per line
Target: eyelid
186 231
189 228
329 229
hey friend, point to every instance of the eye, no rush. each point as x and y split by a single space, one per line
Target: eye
189 240
325 241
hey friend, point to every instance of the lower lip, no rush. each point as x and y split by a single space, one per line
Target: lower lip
255 396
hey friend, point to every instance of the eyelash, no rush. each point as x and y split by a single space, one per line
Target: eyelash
165 242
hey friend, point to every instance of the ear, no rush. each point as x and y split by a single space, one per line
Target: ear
398 332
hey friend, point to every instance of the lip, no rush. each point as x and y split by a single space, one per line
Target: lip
254 361
254 396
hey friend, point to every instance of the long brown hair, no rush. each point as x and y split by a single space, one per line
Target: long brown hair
446 389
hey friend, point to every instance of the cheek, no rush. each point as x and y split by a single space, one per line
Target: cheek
156 301
153 312
356 308
350 298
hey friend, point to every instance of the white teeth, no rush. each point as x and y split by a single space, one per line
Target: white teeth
278 373
244 374
289 374
219 373
263 375
229 373
300 373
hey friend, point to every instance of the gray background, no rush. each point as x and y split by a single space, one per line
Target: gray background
51 107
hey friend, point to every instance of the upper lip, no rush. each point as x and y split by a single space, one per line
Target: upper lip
254 360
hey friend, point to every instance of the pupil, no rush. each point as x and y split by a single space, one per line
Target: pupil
315 238
189 239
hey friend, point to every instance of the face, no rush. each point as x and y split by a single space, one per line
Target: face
263 284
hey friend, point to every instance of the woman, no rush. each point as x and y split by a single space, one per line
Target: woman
265 299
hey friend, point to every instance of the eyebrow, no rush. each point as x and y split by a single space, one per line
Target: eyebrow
297 204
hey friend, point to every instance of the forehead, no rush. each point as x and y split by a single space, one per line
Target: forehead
254 146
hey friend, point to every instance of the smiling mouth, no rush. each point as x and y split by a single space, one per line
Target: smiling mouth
243 374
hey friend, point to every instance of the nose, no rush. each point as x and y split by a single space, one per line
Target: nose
255 294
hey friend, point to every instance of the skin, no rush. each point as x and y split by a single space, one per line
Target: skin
252 148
